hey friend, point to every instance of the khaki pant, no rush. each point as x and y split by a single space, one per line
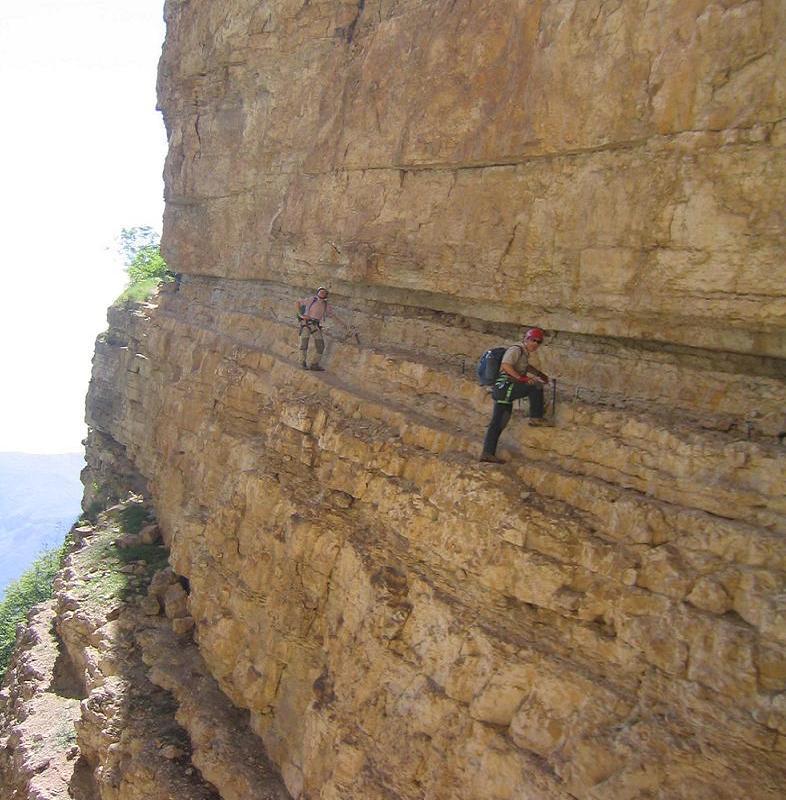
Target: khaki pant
307 330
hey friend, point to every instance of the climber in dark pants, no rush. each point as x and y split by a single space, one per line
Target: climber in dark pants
514 383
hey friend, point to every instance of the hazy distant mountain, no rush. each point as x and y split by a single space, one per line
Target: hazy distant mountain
39 501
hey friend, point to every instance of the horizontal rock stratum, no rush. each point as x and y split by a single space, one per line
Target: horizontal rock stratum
602 617
605 168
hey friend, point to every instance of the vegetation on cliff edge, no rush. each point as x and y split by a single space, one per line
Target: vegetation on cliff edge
146 268
33 587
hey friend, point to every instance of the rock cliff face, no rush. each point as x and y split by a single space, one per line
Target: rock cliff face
603 616
106 695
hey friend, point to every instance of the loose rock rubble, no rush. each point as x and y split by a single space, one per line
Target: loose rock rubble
80 717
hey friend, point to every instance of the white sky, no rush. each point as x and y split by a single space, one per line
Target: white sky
81 155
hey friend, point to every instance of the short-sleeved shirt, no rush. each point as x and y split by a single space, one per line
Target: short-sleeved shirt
518 358
316 308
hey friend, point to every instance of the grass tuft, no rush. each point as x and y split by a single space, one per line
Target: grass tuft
106 582
140 291
133 518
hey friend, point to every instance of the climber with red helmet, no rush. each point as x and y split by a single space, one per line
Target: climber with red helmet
517 379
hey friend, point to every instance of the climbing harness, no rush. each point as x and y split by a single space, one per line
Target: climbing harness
502 391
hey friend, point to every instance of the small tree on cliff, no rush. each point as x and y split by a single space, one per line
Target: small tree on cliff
142 254
144 263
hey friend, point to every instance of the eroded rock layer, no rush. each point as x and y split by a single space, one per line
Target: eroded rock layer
107 696
605 168
602 618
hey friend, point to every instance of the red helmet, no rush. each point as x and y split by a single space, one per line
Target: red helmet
536 334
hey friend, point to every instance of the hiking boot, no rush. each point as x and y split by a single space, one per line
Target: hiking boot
317 368
541 422
490 458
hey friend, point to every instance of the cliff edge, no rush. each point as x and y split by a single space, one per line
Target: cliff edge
602 616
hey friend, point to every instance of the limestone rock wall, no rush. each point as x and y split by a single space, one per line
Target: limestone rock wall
600 619
603 617
603 168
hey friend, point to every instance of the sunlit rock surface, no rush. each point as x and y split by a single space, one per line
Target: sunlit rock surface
601 618
107 697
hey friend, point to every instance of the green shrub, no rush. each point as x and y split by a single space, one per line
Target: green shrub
34 586
133 518
145 265
148 264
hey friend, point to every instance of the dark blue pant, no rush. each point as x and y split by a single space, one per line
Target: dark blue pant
500 417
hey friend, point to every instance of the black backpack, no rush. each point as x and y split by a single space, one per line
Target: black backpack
489 364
